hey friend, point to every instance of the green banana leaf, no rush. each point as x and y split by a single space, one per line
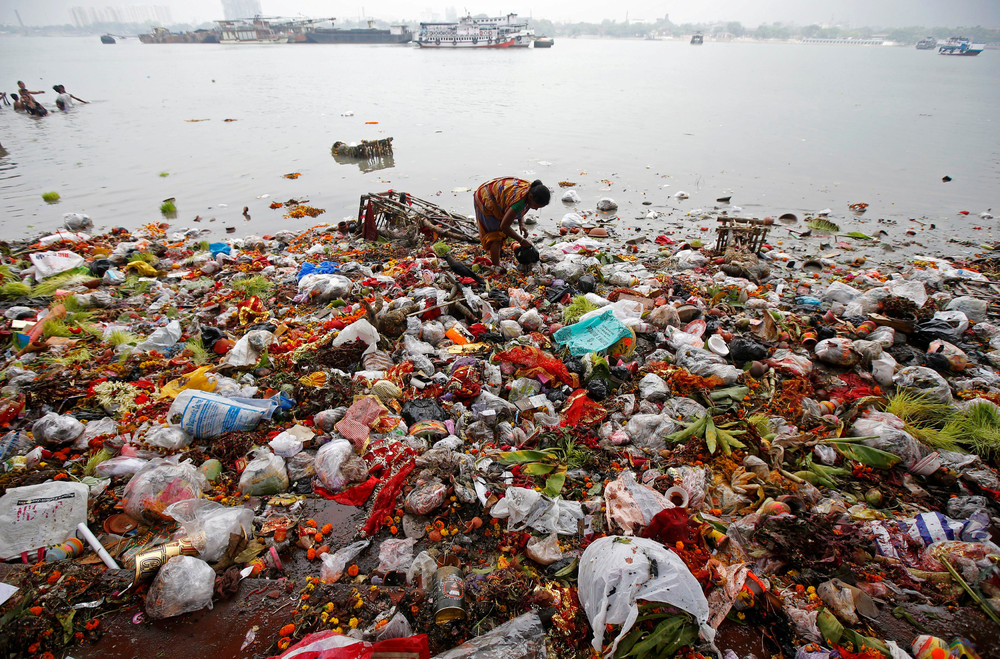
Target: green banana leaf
866 455
513 457
858 234
820 224
554 483
537 469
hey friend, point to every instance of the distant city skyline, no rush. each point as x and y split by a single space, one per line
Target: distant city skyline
882 13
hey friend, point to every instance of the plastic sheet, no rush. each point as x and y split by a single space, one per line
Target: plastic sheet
334 564
56 429
524 508
265 474
520 638
395 555
36 516
616 572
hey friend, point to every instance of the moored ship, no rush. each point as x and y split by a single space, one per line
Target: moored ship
927 43
163 35
258 30
370 34
502 32
961 46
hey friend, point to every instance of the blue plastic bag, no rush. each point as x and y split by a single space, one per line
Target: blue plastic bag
324 268
596 334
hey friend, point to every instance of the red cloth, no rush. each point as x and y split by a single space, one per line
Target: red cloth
357 495
385 501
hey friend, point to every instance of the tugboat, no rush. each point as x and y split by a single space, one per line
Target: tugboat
927 43
107 39
960 46
543 42
697 39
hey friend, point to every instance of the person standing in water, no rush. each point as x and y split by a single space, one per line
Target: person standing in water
501 201
64 100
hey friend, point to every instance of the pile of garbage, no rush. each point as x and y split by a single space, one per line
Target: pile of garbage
609 452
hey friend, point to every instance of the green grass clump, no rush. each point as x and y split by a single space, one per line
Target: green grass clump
6 275
49 287
15 289
579 306
202 246
147 257
122 337
97 458
164 174
926 419
168 207
50 197
78 356
441 248
250 286
198 353
979 430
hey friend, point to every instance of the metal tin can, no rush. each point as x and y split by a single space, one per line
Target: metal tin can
149 562
449 595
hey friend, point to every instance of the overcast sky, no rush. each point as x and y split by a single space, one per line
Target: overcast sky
886 13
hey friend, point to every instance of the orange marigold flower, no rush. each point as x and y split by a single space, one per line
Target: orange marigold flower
353 571
287 630
36 610
327 529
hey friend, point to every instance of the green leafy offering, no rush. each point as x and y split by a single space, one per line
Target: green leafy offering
250 286
164 174
441 248
168 207
820 224
50 197
579 306
198 353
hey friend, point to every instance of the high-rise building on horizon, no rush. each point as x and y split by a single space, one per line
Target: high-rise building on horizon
128 14
234 9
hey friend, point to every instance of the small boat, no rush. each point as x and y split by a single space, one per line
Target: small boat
960 46
927 43
543 42
107 38
697 39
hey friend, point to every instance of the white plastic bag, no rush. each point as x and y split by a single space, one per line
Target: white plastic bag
324 287
544 551
167 437
265 474
203 414
335 564
248 349
56 429
285 445
359 329
616 571
36 516
183 585
162 337
525 508
520 638
209 524
52 263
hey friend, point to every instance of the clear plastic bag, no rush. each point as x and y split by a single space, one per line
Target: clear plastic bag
183 585
544 551
324 287
520 638
616 572
653 388
265 474
838 351
973 308
523 508
285 445
158 484
171 438
922 380
426 498
209 524
395 555
248 349
337 465
56 429
334 564
162 337
632 505
423 566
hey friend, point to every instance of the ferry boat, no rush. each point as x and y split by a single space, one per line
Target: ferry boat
927 43
266 30
960 46
503 32
697 39
370 34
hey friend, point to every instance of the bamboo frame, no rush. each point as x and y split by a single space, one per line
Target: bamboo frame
742 232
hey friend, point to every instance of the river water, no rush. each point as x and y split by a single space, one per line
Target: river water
779 127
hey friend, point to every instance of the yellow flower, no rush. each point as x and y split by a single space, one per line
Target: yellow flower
352 623
334 621
324 616
358 604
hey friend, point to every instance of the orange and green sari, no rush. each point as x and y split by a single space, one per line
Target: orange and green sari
492 201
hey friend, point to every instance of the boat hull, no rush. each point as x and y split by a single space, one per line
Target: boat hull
957 52
464 45
361 36
107 39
